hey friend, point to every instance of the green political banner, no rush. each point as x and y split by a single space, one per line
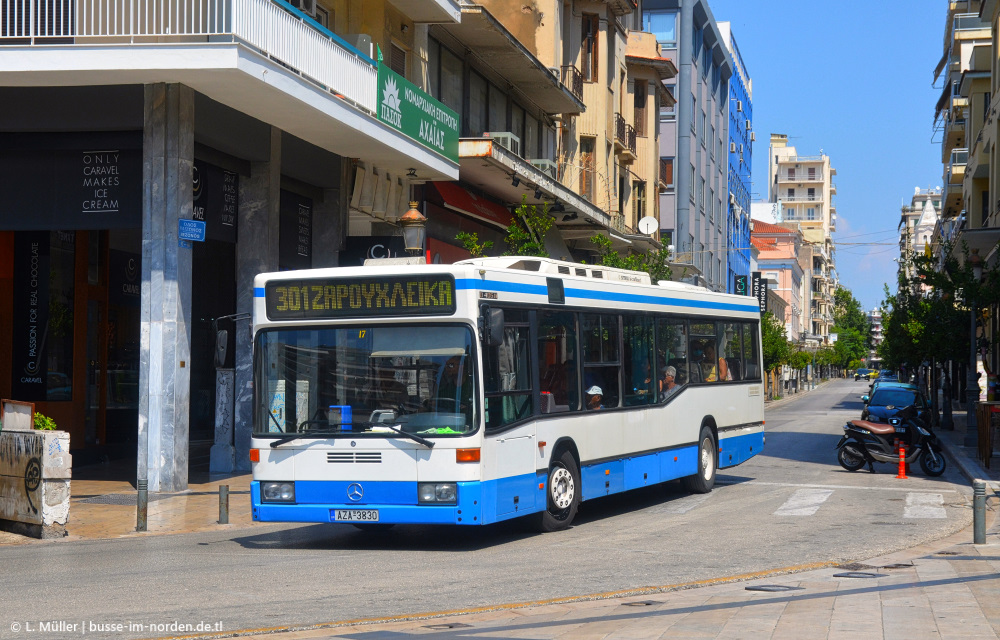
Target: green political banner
415 114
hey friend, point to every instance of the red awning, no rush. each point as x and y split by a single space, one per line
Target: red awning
458 199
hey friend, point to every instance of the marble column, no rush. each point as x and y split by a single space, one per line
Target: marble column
222 456
165 329
256 252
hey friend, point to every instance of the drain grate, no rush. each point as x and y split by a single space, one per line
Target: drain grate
641 603
859 574
899 565
772 588
121 498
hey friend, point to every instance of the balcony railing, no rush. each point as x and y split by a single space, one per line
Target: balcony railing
630 136
272 27
805 198
801 176
619 128
573 80
666 175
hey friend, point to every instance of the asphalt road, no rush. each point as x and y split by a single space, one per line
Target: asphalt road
792 505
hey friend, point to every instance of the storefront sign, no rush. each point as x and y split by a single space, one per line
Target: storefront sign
406 108
215 200
124 278
741 286
71 181
193 230
758 289
294 231
432 295
361 248
29 379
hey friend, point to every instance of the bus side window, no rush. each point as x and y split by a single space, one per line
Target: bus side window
751 351
557 361
507 372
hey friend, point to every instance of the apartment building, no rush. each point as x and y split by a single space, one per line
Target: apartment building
693 136
805 187
875 321
741 139
919 226
779 262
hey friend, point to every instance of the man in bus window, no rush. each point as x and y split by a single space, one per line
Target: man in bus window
668 385
594 397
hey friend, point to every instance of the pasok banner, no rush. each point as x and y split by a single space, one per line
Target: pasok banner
758 290
29 375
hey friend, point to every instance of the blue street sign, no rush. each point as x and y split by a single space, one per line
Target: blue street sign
191 230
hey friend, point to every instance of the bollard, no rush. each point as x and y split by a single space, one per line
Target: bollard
141 505
224 504
902 461
979 512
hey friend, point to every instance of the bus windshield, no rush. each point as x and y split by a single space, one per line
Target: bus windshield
366 380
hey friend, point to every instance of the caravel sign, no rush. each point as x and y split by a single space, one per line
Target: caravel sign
416 114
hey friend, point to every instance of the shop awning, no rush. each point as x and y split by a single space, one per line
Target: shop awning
458 199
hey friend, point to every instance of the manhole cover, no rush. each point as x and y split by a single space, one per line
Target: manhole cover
448 625
772 587
641 603
859 574
898 565
121 498
855 566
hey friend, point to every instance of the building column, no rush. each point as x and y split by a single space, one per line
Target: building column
256 252
329 225
165 333
686 232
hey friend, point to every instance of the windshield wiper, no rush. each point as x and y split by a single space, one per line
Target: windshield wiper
304 434
412 436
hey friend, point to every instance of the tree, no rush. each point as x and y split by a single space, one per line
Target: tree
655 263
526 234
774 341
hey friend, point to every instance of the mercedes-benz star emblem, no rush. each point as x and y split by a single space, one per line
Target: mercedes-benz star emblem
355 492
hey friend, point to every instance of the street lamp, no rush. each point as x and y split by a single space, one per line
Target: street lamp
414 229
972 381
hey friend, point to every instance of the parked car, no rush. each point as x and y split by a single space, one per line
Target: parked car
887 399
878 384
861 373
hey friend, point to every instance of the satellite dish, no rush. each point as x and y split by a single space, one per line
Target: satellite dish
648 225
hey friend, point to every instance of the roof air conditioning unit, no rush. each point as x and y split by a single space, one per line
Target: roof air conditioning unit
732 147
546 166
507 140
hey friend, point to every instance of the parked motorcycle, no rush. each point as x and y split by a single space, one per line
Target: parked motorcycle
867 442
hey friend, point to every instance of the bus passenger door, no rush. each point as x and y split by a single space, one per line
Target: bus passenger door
513 467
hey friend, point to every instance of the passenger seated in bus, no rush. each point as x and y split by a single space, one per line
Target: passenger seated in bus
668 383
389 393
454 391
594 396
713 368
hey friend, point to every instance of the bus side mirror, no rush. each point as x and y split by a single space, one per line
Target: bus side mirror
491 327
221 345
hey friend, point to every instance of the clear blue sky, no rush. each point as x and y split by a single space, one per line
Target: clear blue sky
852 79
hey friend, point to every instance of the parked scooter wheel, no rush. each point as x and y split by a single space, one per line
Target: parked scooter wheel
849 460
932 466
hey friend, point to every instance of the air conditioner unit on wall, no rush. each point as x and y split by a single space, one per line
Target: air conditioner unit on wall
547 166
507 140
739 105
732 147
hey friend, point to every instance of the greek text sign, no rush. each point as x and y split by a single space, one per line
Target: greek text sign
415 114
193 230
360 297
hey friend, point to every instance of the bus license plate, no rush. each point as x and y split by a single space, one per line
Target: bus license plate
355 515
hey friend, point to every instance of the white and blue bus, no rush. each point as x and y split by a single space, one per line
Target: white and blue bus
492 388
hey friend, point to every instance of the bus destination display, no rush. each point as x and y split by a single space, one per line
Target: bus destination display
360 297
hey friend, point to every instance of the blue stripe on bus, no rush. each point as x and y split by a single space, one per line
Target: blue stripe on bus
586 294
495 500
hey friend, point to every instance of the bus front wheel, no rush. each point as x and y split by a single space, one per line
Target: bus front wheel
704 480
562 493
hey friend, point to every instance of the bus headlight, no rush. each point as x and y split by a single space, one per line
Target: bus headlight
277 491
437 493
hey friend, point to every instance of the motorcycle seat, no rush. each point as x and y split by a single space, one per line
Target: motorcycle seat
874 427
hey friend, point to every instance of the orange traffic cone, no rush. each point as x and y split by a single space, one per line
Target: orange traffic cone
902 460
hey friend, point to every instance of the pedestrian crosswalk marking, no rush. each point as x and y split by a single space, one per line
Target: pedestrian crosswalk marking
804 502
924 505
683 505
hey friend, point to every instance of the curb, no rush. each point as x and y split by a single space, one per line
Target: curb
969 467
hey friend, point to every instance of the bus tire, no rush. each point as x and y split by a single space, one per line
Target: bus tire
562 494
704 480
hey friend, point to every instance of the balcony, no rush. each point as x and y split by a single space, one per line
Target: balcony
806 198
956 166
573 80
800 176
262 57
625 140
666 178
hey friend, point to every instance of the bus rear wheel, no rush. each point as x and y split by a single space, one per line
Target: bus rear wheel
562 494
704 480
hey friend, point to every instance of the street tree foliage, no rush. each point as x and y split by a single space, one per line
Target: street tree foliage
928 316
774 341
655 263
852 328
